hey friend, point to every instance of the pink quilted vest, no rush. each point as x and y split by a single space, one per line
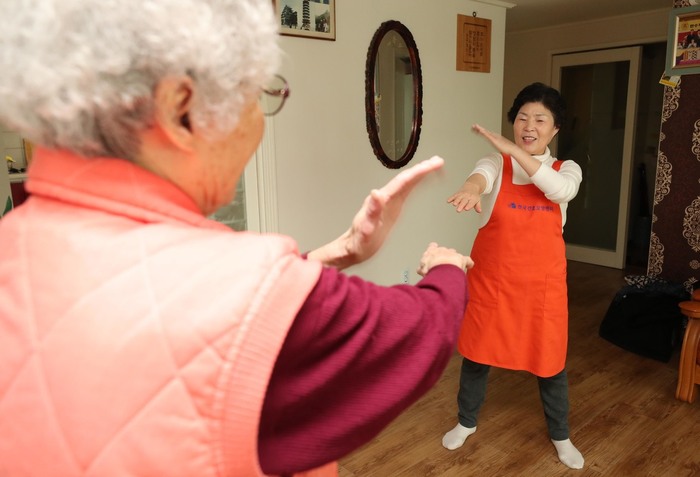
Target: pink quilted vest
136 337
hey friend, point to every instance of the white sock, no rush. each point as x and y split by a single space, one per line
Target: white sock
456 437
568 454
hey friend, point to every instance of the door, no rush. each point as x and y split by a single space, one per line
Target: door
600 90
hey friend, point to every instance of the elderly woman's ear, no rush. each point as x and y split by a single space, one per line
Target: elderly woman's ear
173 102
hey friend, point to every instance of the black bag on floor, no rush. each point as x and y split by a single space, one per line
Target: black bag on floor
644 317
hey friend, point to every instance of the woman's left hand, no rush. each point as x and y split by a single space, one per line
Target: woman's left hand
506 146
501 143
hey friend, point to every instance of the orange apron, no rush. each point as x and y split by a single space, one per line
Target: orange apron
517 316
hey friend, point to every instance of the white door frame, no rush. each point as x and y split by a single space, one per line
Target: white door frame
616 258
261 185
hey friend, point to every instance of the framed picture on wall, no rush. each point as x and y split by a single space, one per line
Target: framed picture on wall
683 43
306 18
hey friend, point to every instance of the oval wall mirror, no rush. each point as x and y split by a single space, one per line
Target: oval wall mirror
393 94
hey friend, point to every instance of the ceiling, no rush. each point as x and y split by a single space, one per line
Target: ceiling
530 14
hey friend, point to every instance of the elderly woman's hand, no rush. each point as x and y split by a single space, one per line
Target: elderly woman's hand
436 255
375 219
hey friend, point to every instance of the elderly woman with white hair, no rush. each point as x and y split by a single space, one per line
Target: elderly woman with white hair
138 337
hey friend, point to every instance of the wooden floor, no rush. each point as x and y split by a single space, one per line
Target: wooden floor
624 416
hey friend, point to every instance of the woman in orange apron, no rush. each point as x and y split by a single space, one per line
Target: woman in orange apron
517 316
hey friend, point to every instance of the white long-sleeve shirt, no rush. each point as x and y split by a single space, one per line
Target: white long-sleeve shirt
559 187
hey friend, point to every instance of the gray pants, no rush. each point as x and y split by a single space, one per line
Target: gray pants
554 393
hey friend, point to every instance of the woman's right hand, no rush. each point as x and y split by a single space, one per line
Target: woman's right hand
436 255
466 198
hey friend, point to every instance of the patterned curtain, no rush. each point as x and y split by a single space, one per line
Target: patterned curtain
675 234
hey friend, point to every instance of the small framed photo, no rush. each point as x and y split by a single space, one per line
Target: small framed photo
306 18
683 43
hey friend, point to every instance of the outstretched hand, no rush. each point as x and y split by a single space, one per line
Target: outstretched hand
506 146
501 143
436 255
375 219
467 197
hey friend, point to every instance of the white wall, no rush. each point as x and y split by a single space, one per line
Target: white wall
325 164
528 53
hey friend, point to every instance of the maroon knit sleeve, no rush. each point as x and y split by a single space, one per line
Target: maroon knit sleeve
357 355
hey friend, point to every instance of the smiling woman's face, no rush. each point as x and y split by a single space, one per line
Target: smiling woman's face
533 128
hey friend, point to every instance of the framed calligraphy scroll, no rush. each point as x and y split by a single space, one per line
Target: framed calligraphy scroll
473 44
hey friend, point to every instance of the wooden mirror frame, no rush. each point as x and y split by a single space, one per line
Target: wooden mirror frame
370 90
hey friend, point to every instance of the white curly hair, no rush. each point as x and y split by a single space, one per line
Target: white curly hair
80 74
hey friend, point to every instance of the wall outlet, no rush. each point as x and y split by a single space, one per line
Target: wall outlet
405 276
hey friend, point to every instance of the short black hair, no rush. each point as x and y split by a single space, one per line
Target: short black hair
540 93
